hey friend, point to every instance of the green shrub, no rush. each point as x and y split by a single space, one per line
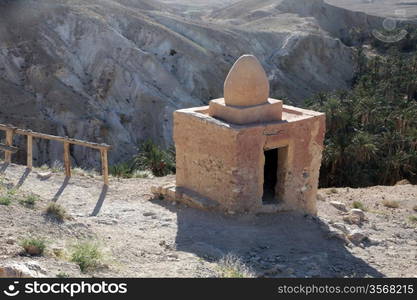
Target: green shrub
413 219
152 157
29 201
87 255
123 170
5 199
57 166
358 205
33 246
56 211
62 275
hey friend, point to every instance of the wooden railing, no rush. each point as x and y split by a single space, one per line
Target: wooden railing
9 149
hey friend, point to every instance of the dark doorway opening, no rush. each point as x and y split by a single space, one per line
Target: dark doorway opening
270 176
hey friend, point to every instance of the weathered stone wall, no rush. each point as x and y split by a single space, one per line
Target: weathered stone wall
225 163
206 155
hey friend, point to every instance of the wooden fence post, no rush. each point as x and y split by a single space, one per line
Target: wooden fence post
9 142
104 166
29 159
67 160
9 149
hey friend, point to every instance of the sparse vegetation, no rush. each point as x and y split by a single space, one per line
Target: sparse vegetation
87 255
29 201
62 275
56 167
56 212
230 266
122 170
5 199
151 158
358 205
415 208
83 172
59 253
7 196
331 191
413 219
33 246
391 203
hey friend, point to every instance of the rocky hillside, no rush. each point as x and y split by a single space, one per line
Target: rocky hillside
113 71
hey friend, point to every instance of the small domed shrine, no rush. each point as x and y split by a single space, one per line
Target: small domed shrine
247 152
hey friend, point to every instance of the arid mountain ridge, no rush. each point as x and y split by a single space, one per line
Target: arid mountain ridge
113 71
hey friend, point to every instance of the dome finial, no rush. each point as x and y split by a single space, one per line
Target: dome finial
247 83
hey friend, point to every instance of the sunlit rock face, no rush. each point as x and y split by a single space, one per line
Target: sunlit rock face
114 71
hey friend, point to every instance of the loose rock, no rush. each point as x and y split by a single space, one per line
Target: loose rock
357 236
19 270
341 227
356 216
339 205
44 175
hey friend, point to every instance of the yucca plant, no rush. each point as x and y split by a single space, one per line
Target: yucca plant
152 157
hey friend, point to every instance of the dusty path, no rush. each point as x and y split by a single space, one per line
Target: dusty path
152 238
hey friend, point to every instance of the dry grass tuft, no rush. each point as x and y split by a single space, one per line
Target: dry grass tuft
230 266
33 246
56 211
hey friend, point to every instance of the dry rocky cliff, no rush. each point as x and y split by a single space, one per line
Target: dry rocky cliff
113 71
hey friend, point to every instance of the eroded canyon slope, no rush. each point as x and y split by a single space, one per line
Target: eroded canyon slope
113 71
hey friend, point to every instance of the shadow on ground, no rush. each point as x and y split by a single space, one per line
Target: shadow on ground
298 244
100 200
61 189
3 167
23 178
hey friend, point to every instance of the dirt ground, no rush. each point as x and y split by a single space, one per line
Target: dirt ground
146 237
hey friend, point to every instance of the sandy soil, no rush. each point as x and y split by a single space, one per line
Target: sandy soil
144 237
